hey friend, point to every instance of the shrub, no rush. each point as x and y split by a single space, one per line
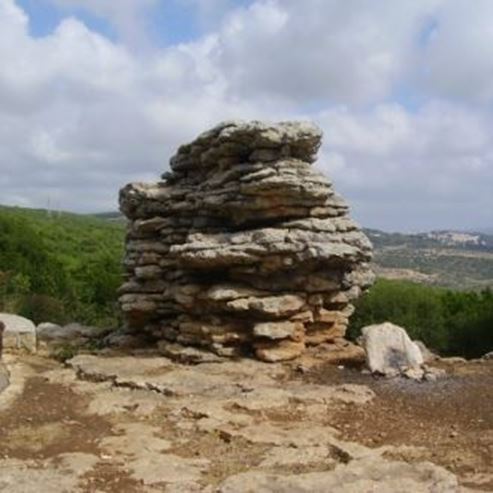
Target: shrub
450 322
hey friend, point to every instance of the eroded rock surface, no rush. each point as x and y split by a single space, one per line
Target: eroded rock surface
369 475
145 423
295 449
62 474
243 247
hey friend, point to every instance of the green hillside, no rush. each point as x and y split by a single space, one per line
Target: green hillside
59 266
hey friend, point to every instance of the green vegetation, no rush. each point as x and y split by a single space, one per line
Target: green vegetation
450 322
59 267
67 267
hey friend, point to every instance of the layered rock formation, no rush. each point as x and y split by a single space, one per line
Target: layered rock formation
243 247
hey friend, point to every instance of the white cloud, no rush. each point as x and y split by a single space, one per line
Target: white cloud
458 57
412 170
81 115
320 50
128 17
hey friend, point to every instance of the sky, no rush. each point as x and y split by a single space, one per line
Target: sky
95 94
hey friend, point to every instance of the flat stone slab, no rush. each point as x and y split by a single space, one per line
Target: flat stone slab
155 465
372 474
19 334
246 383
62 474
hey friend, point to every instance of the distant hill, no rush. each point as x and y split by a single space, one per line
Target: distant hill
109 216
434 239
455 259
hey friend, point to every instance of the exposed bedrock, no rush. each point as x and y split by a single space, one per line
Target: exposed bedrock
243 247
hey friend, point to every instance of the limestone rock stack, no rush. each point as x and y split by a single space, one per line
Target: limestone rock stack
243 247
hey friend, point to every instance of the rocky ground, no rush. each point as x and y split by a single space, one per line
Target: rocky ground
142 423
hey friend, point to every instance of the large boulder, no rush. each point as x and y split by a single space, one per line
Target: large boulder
19 333
389 350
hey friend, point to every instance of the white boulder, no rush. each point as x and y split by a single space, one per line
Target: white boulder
389 350
19 333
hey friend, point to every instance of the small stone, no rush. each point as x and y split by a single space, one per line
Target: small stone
432 374
416 373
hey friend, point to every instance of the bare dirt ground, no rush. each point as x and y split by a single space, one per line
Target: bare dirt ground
144 425
48 420
451 420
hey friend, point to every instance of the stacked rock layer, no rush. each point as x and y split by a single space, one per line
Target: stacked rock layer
243 247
